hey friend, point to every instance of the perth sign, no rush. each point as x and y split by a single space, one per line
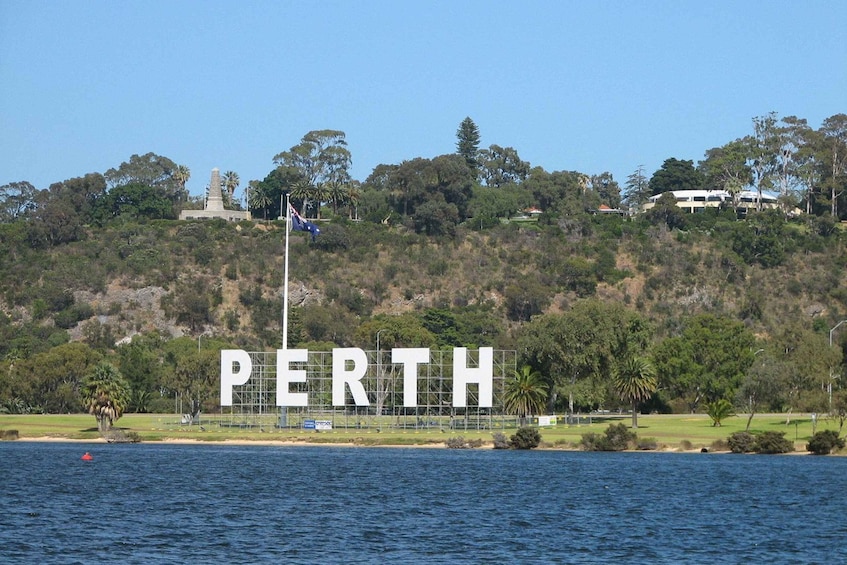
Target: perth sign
350 365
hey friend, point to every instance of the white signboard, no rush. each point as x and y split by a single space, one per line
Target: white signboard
349 366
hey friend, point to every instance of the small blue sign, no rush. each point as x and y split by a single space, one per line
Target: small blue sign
308 424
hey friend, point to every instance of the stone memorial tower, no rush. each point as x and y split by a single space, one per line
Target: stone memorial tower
214 207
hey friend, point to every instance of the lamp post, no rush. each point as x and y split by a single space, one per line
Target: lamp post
829 385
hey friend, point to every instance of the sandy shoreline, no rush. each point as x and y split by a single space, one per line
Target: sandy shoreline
233 442
290 443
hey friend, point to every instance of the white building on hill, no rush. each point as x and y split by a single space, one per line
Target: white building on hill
694 201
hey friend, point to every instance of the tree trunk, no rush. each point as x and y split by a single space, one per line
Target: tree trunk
634 415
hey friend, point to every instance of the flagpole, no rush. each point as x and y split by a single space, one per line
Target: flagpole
285 277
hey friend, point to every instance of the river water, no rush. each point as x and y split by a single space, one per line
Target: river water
160 503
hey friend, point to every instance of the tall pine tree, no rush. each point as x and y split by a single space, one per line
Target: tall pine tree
467 144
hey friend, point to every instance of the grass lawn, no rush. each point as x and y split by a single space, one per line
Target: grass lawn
671 432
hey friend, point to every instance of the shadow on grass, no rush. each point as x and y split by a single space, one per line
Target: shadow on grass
792 423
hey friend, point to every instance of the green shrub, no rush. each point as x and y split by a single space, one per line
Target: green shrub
525 438
617 437
457 442
500 440
8 435
772 442
620 437
647 444
69 317
741 442
824 442
592 441
719 445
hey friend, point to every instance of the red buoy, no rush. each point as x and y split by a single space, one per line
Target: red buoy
87 457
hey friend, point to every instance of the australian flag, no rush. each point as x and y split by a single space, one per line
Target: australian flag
300 224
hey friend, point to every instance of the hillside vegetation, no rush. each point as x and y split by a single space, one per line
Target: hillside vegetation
223 282
111 304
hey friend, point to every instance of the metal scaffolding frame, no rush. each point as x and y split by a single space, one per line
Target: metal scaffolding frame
254 403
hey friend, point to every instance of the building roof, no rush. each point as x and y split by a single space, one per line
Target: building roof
744 195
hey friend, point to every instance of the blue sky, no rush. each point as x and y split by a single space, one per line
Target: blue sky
590 86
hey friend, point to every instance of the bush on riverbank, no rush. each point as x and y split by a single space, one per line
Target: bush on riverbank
8 435
825 442
460 442
500 440
617 437
772 443
766 443
525 438
741 442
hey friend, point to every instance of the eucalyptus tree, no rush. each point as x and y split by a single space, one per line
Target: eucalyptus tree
759 391
192 371
809 169
321 158
559 191
804 361
726 168
383 333
106 395
634 380
16 199
607 189
762 149
61 212
150 170
445 184
408 184
52 379
834 131
582 343
502 166
793 135
706 361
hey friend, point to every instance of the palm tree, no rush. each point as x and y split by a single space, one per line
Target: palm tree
635 380
320 193
301 190
525 394
337 193
718 410
231 182
106 395
259 199
354 193
181 176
